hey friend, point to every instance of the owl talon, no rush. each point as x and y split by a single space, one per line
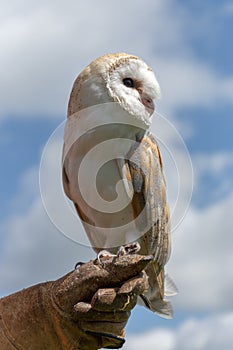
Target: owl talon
121 251
104 254
78 264
131 248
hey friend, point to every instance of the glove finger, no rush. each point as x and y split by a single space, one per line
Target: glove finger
137 285
83 313
109 300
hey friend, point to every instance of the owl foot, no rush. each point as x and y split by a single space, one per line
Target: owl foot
131 248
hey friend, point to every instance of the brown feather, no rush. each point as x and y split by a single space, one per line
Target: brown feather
145 167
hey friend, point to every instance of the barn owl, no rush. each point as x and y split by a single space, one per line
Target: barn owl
126 87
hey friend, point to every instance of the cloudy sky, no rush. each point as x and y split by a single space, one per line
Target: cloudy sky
44 45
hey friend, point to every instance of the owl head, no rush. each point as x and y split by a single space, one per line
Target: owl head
121 78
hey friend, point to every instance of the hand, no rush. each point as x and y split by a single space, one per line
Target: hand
97 300
87 309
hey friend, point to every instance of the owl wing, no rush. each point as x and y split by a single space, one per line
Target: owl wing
145 171
151 212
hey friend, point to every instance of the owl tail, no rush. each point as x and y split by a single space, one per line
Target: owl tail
161 307
153 299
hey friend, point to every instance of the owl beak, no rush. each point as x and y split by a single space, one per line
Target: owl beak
148 103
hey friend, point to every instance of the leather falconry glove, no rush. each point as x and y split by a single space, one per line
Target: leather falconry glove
86 309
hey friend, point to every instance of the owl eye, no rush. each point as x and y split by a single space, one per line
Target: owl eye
128 82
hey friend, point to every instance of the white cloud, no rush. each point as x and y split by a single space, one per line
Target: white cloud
32 249
213 173
202 260
45 48
162 339
213 332
189 83
228 8
45 45
216 163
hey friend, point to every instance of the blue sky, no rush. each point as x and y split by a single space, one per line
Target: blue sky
189 45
